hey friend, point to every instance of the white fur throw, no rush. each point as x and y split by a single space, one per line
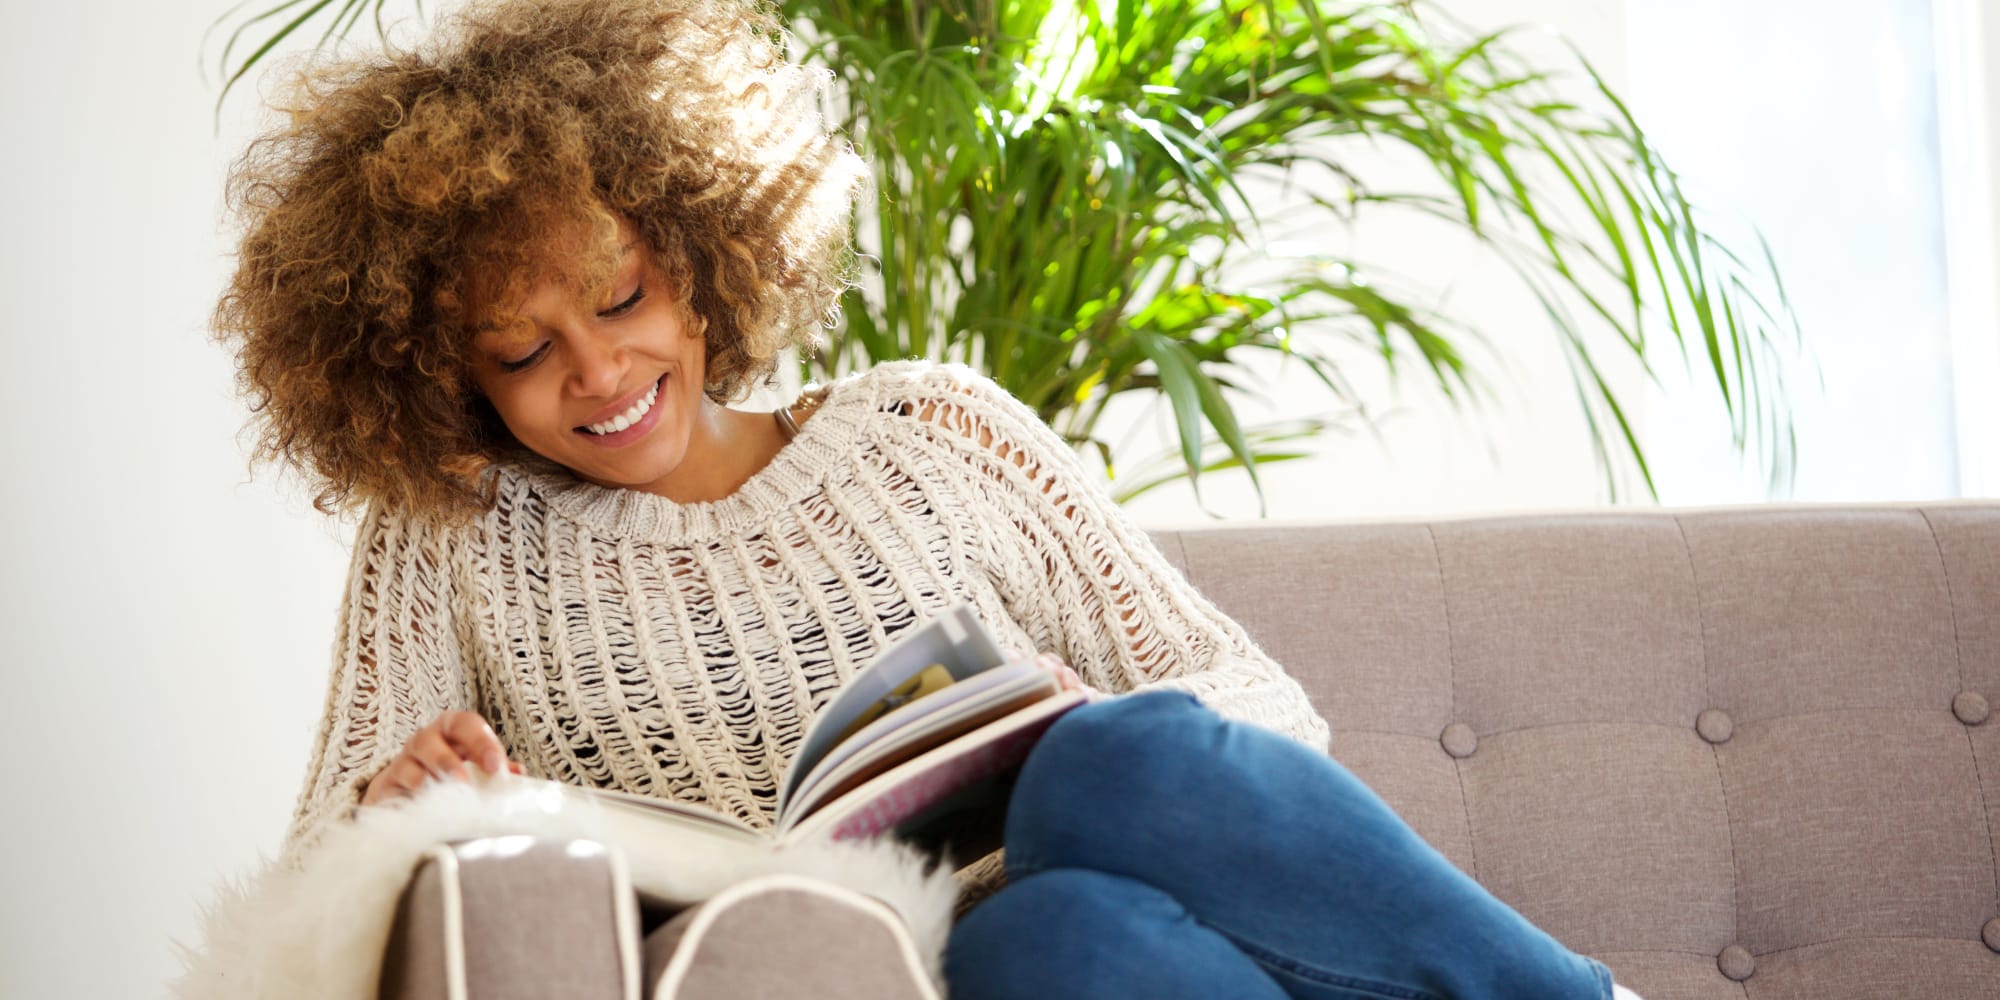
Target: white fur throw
320 930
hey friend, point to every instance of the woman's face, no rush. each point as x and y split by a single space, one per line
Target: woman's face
606 382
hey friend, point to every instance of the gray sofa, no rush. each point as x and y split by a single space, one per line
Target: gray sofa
1733 752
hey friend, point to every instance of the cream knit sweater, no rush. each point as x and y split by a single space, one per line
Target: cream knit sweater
617 639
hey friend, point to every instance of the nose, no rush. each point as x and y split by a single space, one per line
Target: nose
599 365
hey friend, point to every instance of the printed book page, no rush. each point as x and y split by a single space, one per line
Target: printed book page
948 746
886 802
667 810
891 719
955 640
913 723
833 780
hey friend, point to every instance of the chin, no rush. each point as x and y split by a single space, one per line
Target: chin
632 468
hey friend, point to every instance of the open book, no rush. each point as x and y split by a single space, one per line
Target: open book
917 741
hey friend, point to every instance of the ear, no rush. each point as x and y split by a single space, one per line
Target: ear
693 323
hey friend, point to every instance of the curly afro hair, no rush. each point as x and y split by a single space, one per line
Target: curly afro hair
401 195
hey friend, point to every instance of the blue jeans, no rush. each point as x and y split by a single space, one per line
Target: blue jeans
1155 849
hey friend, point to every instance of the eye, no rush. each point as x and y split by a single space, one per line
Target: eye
522 365
631 302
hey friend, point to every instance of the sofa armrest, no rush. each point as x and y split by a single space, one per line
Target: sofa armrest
500 918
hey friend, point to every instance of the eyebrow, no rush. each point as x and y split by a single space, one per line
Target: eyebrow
483 338
484 328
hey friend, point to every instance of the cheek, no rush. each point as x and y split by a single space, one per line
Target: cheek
518 409
695 346
688 327
492 426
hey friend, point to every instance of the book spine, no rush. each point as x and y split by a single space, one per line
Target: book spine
886 811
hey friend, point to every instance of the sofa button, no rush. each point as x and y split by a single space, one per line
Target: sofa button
1459 740
1991 933
1970 707
1714 725
1736 962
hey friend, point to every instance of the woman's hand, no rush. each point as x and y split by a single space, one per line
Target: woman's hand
446 748
1066 676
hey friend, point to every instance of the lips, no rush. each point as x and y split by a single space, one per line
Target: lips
611 412
633 434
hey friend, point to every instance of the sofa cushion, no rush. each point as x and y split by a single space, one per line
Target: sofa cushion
1716 749
831 944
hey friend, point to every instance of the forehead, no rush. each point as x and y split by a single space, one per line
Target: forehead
512 317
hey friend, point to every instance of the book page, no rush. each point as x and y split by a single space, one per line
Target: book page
919 729
906 790
955 639
921 712
657 810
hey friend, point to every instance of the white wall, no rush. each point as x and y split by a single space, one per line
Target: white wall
1829 143
168 621
171 622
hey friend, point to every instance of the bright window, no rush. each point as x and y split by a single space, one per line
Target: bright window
1819 122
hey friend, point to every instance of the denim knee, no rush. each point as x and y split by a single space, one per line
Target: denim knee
1104 771
1137 781
1122 734
1074 933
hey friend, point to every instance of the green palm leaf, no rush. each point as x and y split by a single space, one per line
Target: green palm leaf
1063 203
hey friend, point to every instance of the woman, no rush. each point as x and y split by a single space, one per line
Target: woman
498 290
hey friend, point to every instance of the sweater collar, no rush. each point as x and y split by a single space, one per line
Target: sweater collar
798 469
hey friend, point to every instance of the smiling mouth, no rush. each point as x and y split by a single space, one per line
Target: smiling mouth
633 415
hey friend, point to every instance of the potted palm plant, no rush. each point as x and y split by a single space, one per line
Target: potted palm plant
1061 202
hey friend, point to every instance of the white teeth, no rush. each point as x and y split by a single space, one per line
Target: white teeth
629 417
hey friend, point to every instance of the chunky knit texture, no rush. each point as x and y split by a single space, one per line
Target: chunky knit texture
617 639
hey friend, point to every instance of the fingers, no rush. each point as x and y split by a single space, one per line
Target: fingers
445 749
400 779
1066 678
438 755
473 740
406 776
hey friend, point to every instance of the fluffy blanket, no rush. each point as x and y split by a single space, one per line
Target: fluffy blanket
319 930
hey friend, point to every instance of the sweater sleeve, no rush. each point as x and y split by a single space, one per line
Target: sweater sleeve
1088 584
397 666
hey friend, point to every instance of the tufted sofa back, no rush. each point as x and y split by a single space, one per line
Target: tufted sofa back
1733 753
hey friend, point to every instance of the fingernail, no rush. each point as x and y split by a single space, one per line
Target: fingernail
495 763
